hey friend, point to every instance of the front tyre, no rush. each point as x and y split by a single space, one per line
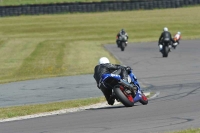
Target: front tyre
125 99
122 46
144 100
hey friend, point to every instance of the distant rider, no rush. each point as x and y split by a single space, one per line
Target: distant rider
105 67
121 32
177 38
165 37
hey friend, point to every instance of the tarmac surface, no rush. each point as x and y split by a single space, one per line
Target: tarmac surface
48 90
173 80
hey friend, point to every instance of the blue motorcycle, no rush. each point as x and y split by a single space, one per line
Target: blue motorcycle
126 92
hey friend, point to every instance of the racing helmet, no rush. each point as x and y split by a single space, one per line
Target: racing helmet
123 31
103 60
179 33
165 29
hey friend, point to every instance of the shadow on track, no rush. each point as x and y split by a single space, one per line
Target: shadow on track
111 107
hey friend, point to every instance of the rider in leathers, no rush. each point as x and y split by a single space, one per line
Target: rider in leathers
122 32
165 37
104 67
176 39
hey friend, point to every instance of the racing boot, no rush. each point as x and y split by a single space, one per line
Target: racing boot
111 100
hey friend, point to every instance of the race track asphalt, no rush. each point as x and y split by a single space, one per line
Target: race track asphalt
174 80
48 90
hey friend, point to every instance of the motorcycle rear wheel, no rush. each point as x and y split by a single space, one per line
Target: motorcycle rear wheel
165 51
126 100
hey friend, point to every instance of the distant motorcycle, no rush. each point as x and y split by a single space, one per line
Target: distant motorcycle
174 45
166 48
176 40
126 92
122 42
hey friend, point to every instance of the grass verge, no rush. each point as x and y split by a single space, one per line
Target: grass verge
188 131
10 112
69 44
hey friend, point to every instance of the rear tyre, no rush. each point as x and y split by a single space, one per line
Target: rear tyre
122 97
165 51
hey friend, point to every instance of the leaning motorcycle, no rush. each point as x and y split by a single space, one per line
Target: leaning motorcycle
122 42
174 45
126 92
166 48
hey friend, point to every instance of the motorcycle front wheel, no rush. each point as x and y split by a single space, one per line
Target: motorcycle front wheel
122 46
144 100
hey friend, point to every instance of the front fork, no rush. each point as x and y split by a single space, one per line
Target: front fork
138 96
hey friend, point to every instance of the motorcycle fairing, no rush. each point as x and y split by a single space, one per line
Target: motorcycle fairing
105 77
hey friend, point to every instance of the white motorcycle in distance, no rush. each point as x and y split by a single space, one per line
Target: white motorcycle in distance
176 39
174 45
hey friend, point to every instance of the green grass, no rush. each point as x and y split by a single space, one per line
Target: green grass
10 112
70 44
188 131
33 47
